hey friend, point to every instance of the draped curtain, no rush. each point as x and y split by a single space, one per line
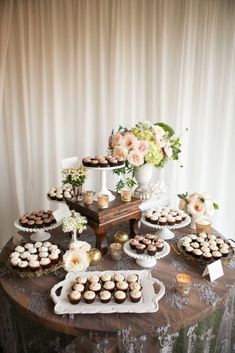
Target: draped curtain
71 70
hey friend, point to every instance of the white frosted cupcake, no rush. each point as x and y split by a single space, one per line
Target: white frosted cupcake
81 279
93 279
110 286
224 251
89 297
14 254
203 235
74 297
32 257
216 255
119 297
135 286
47 244
15 261
34 265
132 278
24 255
38 244
23 265
20 249
122 286
118 277
28 246
106 277
78 287
32 250
135 296
95 287
197 253
43 249
45 262
194 245
54 257
43 254
105 296
53 248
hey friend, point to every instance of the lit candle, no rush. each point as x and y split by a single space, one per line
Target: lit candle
88 197
126 195
183 284
203 226
103 201
115 250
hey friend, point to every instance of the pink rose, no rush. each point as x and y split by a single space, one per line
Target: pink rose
143 147
158 130
182 204
168 150
120 151
129 141
196 208
136 158
116 139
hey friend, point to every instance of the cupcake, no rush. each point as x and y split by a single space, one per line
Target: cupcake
140 248
89 297
216 255
31 223
195 245
133 243
105 296
219 241
47 244
207 256
93 279
135 296
103 163
32 257
81 280
54 257
203 235
185 243
78 287
118 277
193 237
32 250
34 265
146 242
110 286
178 219
94 163
197 253
132 278
135 286
106 277
43 249
119 297
19 249
150 237
43 254
28 246
189 250
52 248
86 161
212 237
139 238
214 248
159 246
205 248
95 287
24 255
74 297
151 250
15 254
171 220
45 262
154 219
15 261
224 251
38 244
122 286
162 221
23 265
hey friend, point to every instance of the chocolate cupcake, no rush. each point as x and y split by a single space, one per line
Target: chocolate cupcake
224 251
110 286
94 163
162 221
78 287
95 287
135 286
31 223
146 242
93 279
81 279
159 246
216 255
135 296
132 278
23 265
105 296
123 286
45 262
106 277
151 250
118 277
103 163
140 248
86 161
119 297
15 261
207 256
133 243
34 265
197 253
189 250
74 297
89 297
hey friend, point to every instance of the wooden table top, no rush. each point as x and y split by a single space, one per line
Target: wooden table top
32 296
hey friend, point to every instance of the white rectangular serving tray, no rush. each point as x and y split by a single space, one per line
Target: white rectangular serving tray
147 304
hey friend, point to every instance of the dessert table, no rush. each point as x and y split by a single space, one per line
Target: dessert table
202 322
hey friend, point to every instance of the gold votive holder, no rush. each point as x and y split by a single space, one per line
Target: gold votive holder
88 197
103 201
121 237
183 284
203 226
115 250
95 256
126 195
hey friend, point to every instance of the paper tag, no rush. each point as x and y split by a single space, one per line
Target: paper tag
61 213
214 270
17 239
69 162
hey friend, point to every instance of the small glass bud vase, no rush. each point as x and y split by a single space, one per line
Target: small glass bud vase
77 192
103 201
115 250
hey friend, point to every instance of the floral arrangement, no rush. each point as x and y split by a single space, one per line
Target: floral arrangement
75 222
197 204
74 176
144 143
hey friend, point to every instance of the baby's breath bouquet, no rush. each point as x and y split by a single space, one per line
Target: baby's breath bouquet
75 222
74 176
144 143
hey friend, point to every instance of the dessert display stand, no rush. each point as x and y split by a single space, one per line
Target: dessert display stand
40 234
103 181
145 260
165 231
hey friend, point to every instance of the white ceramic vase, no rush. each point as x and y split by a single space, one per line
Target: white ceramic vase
143 175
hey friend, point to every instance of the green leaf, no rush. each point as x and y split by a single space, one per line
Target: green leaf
216 206
167 128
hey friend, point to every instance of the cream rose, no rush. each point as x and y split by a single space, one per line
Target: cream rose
129 141
182 204
196 208
158 130
168 150
116 139
160 140
209 207
136 158
120 151
143 147
76 260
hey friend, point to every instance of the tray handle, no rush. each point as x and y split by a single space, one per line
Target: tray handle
162 290
54 296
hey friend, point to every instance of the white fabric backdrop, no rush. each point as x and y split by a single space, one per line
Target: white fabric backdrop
70 71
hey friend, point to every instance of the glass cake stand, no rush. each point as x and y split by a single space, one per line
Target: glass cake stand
103 181
145 260
40 234
165 231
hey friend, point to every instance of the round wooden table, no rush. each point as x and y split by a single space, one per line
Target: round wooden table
32 296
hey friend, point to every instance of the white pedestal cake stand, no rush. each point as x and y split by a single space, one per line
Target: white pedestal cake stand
40 234
103 181
145 260
165 231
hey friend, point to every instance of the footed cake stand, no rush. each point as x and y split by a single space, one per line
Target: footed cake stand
40 234
146 260
165 231
103 181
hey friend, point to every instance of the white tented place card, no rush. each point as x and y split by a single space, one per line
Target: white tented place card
69 162
61 213
214 270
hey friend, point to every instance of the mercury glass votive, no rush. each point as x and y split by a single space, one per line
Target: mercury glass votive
115 250
183 284
103 201
126 195
88 197
203 226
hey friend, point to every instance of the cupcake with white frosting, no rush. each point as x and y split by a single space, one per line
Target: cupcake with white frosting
89 297
135 296
105 296
74 297
119 297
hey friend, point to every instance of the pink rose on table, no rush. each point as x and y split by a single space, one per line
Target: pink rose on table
136 158
168 150
116 139
196 208
129 141
120 151
143 147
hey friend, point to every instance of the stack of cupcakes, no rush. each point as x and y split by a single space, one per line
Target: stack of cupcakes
208 247
165 216
148 244
34 257
103 161
61 193
37 219
106 288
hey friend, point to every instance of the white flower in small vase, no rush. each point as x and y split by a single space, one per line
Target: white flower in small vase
74 223
75 260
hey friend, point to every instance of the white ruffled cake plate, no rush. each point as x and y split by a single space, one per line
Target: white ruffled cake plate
40 234
145 260
165 231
